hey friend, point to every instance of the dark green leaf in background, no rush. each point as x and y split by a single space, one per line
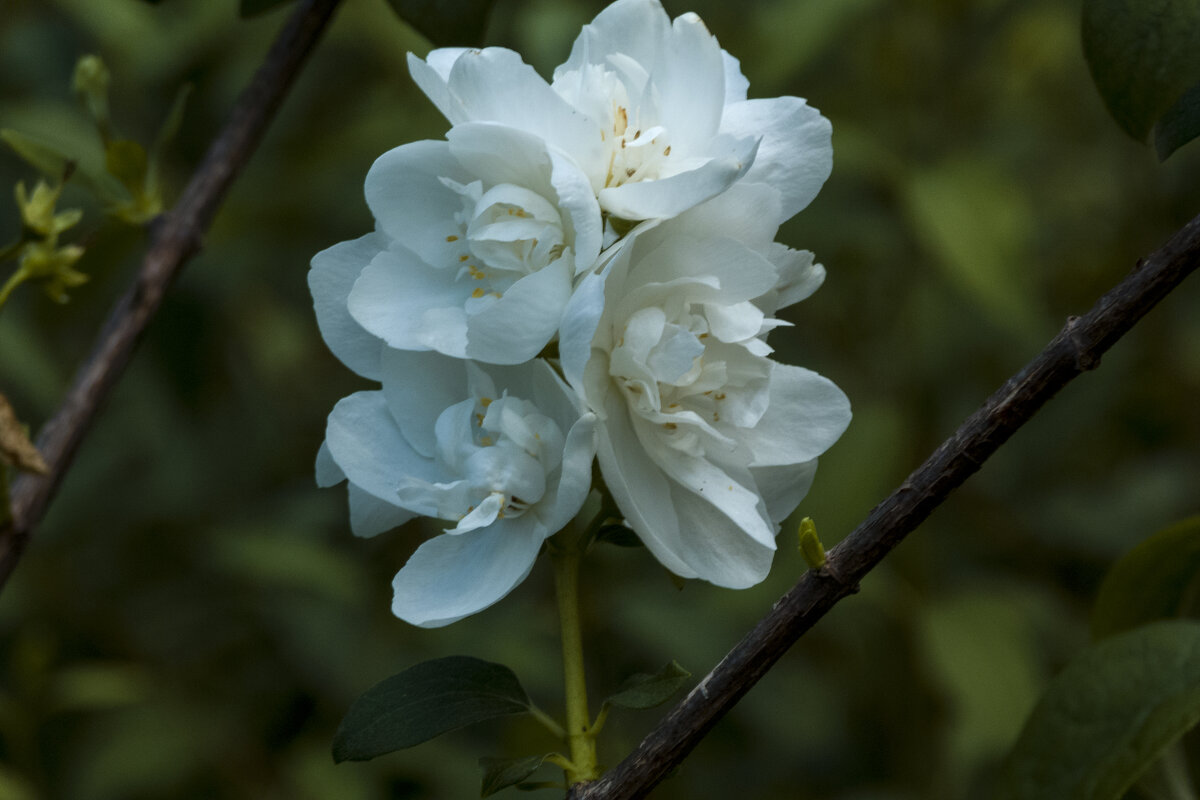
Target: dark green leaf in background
1108 716
500 773
1180 124
1150 582
1144 55
446 22
648 691
425 701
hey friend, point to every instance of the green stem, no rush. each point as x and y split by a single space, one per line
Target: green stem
548 722
580 738
14 280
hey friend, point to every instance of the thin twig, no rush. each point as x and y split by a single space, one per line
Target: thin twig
1076 348
176 238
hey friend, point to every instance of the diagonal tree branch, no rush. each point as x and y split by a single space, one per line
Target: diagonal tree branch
175 239
1076 348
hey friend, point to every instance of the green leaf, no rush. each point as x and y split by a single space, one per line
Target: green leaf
446 22
52 162
648 691
1179 125
250 8
1108 716
126 161
500 773
1143 56
425 701
1149 582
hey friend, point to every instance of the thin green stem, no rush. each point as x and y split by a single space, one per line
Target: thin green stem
579 735
14 280
548 722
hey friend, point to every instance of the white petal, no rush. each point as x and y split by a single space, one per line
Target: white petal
370 516
432 76
746 212
580 319
736 84
328 472
367 444
451 577
799 277
635 28
405 192
716 548
667 197
564 499
411 305
419 386
806 415
689 76
333 273
796 152
783 488
519 324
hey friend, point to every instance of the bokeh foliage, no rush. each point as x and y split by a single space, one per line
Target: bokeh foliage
194 616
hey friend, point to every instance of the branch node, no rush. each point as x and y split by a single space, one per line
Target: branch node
1084 360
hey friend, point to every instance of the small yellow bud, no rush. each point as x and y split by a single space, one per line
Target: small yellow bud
810 545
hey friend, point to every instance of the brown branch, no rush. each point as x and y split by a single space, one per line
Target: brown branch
1076 348
175 239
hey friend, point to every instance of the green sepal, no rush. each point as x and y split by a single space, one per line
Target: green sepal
424 701
647 691
1151 581
446 22
500 773
250 8
1143 56
1108 716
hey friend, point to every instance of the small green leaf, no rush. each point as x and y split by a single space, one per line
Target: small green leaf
425 701
1108 716
1142 55
126 161
52 162
250 8
500 773
1150 581
446 22
1179 125
648 691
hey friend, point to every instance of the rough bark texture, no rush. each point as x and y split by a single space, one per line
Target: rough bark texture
175 238
1076 348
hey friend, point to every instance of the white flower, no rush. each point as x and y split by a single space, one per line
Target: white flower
653 111
501 453
478 241
705 443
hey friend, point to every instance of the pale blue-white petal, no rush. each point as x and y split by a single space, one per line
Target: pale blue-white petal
404 191
799 277
667 197
796 152
564 498
635 28
432 76
419 386
582 210
519 324
716 548
578 326
366 443
806 415
328 472
333 273
451 577
736 84
370 515
783 487
689 77
745 212
411 305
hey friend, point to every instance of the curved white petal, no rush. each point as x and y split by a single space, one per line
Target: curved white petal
564 499
519 324
783 487
419 386
451 577
411 305
715 548
736 85
689 77
796 152
368 446
580 319
635 28
432 76
328 472
667 197
333 273
807 413
370 515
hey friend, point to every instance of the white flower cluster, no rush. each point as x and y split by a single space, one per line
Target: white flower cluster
625 211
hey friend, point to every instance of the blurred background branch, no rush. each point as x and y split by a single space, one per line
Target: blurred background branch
175 238
1076 348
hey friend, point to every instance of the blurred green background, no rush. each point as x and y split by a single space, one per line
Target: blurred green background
194 617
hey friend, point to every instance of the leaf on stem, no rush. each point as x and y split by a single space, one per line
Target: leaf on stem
1108 716
1143 58
15 447
53 163
1151 581
500 773
647 691
425 701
